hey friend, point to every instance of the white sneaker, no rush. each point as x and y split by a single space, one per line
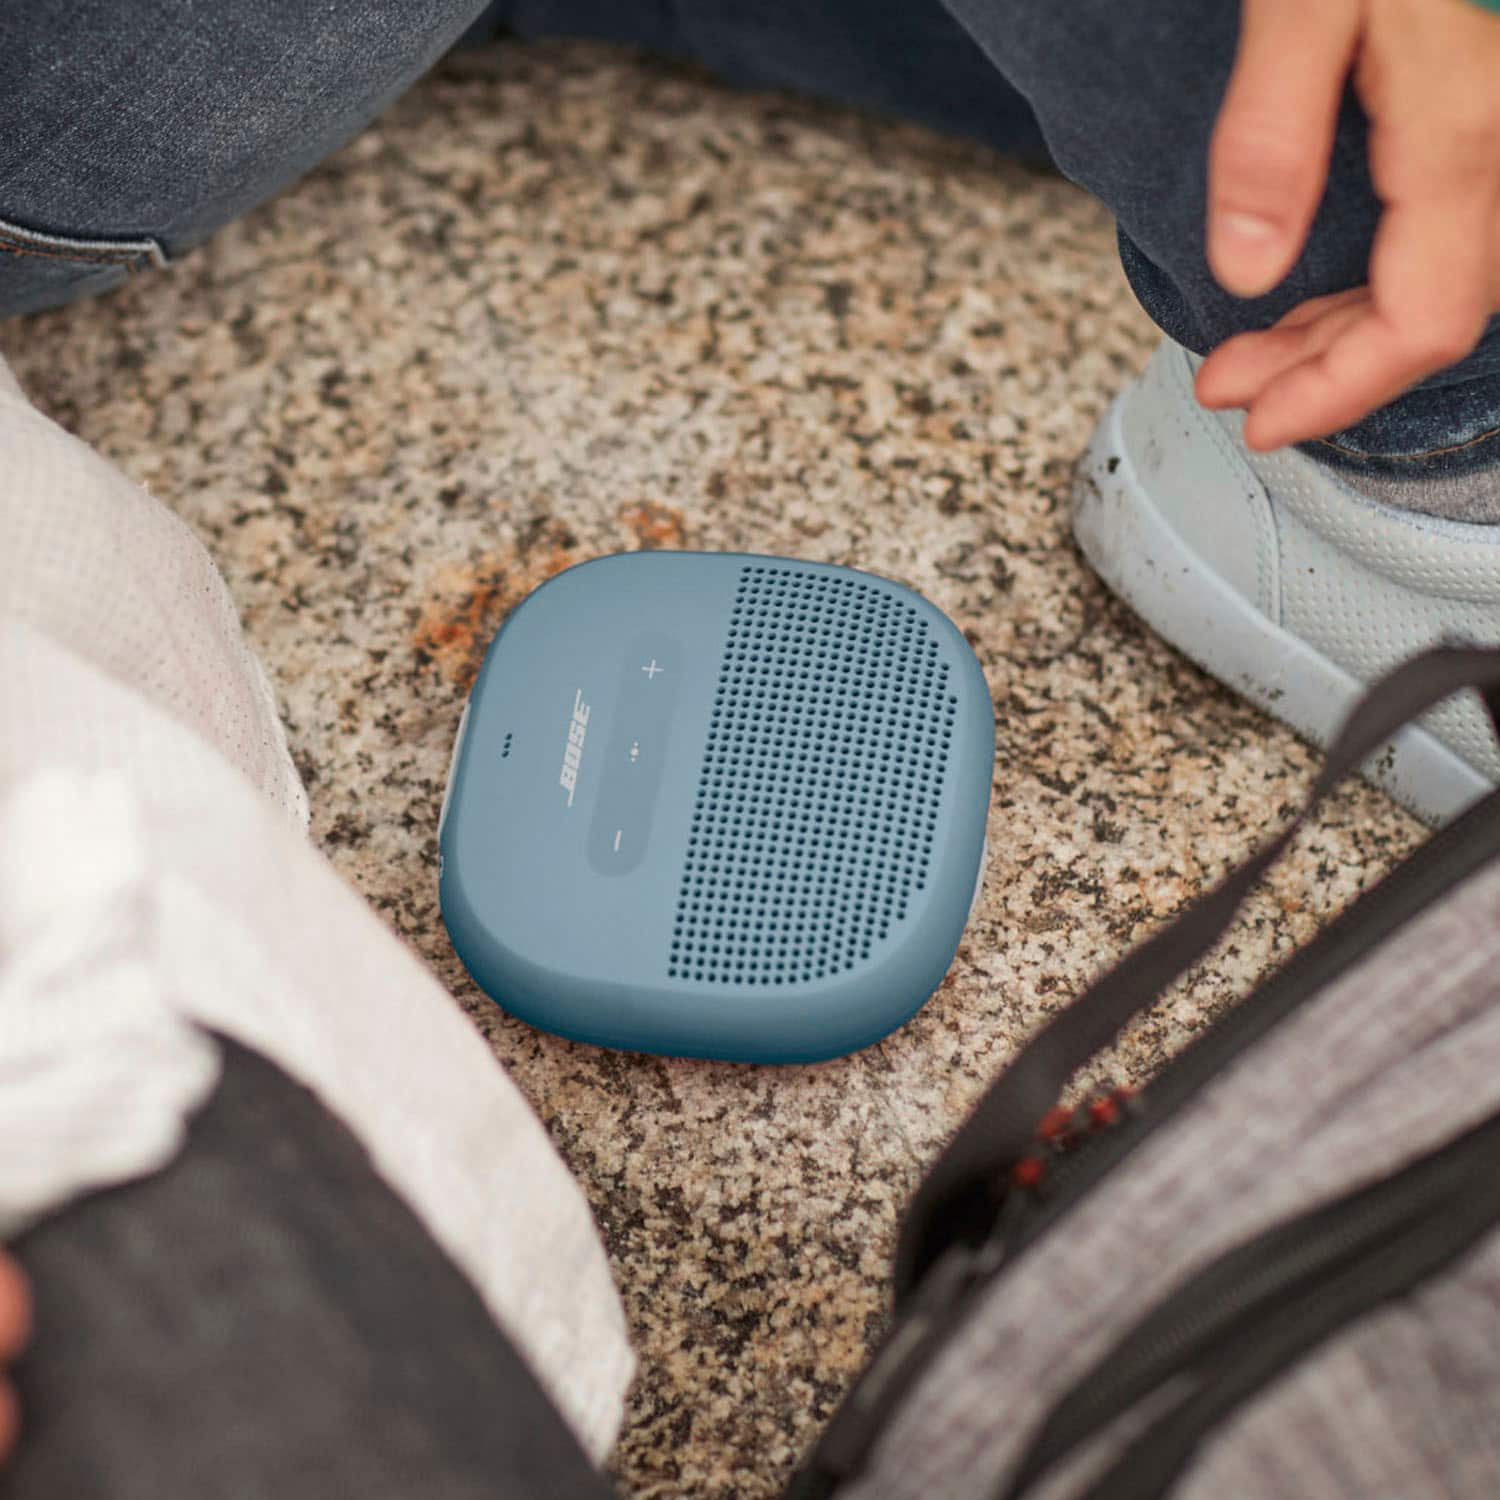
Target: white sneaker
1287 585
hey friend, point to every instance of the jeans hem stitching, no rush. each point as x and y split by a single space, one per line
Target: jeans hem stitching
134 255
1398 458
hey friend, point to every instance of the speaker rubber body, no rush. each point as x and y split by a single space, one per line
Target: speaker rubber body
718 805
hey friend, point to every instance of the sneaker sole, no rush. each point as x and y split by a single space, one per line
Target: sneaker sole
1143 560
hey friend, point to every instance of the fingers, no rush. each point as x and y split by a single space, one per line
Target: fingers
1335 389
10 1418
1437 167
15 1309
1335 359
1426 76
1268 161
1244 366
15 1329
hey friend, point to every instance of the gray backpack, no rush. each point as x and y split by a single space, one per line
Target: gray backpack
1275 1272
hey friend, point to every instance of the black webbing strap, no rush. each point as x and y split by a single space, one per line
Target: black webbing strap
958 1198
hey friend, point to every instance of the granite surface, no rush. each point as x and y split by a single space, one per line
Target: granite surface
562 301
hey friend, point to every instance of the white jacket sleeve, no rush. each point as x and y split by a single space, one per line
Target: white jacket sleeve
155 880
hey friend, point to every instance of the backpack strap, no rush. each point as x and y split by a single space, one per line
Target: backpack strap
960 1196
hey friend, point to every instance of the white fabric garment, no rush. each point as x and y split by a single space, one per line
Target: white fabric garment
155 880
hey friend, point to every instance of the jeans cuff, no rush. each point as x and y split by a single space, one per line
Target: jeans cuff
40 270
1433 431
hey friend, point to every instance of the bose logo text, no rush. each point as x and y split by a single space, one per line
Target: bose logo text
573 750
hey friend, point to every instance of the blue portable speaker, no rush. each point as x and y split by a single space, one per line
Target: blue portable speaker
718 805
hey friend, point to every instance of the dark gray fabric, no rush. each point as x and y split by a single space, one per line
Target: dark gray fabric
265 1318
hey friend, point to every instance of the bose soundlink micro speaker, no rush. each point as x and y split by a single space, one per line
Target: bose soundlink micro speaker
718 805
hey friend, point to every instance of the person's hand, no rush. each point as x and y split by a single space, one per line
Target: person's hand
15 1329
1428 75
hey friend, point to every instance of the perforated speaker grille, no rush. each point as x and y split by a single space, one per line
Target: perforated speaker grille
821 782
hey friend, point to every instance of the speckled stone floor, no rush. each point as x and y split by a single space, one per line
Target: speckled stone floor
563 301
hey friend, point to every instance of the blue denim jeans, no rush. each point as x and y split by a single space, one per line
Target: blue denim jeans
131 130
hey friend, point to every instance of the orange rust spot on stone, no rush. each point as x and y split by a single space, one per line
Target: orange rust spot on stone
653 524
468 600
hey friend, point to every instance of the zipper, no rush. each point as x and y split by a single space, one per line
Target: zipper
1448 858
1263 1303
